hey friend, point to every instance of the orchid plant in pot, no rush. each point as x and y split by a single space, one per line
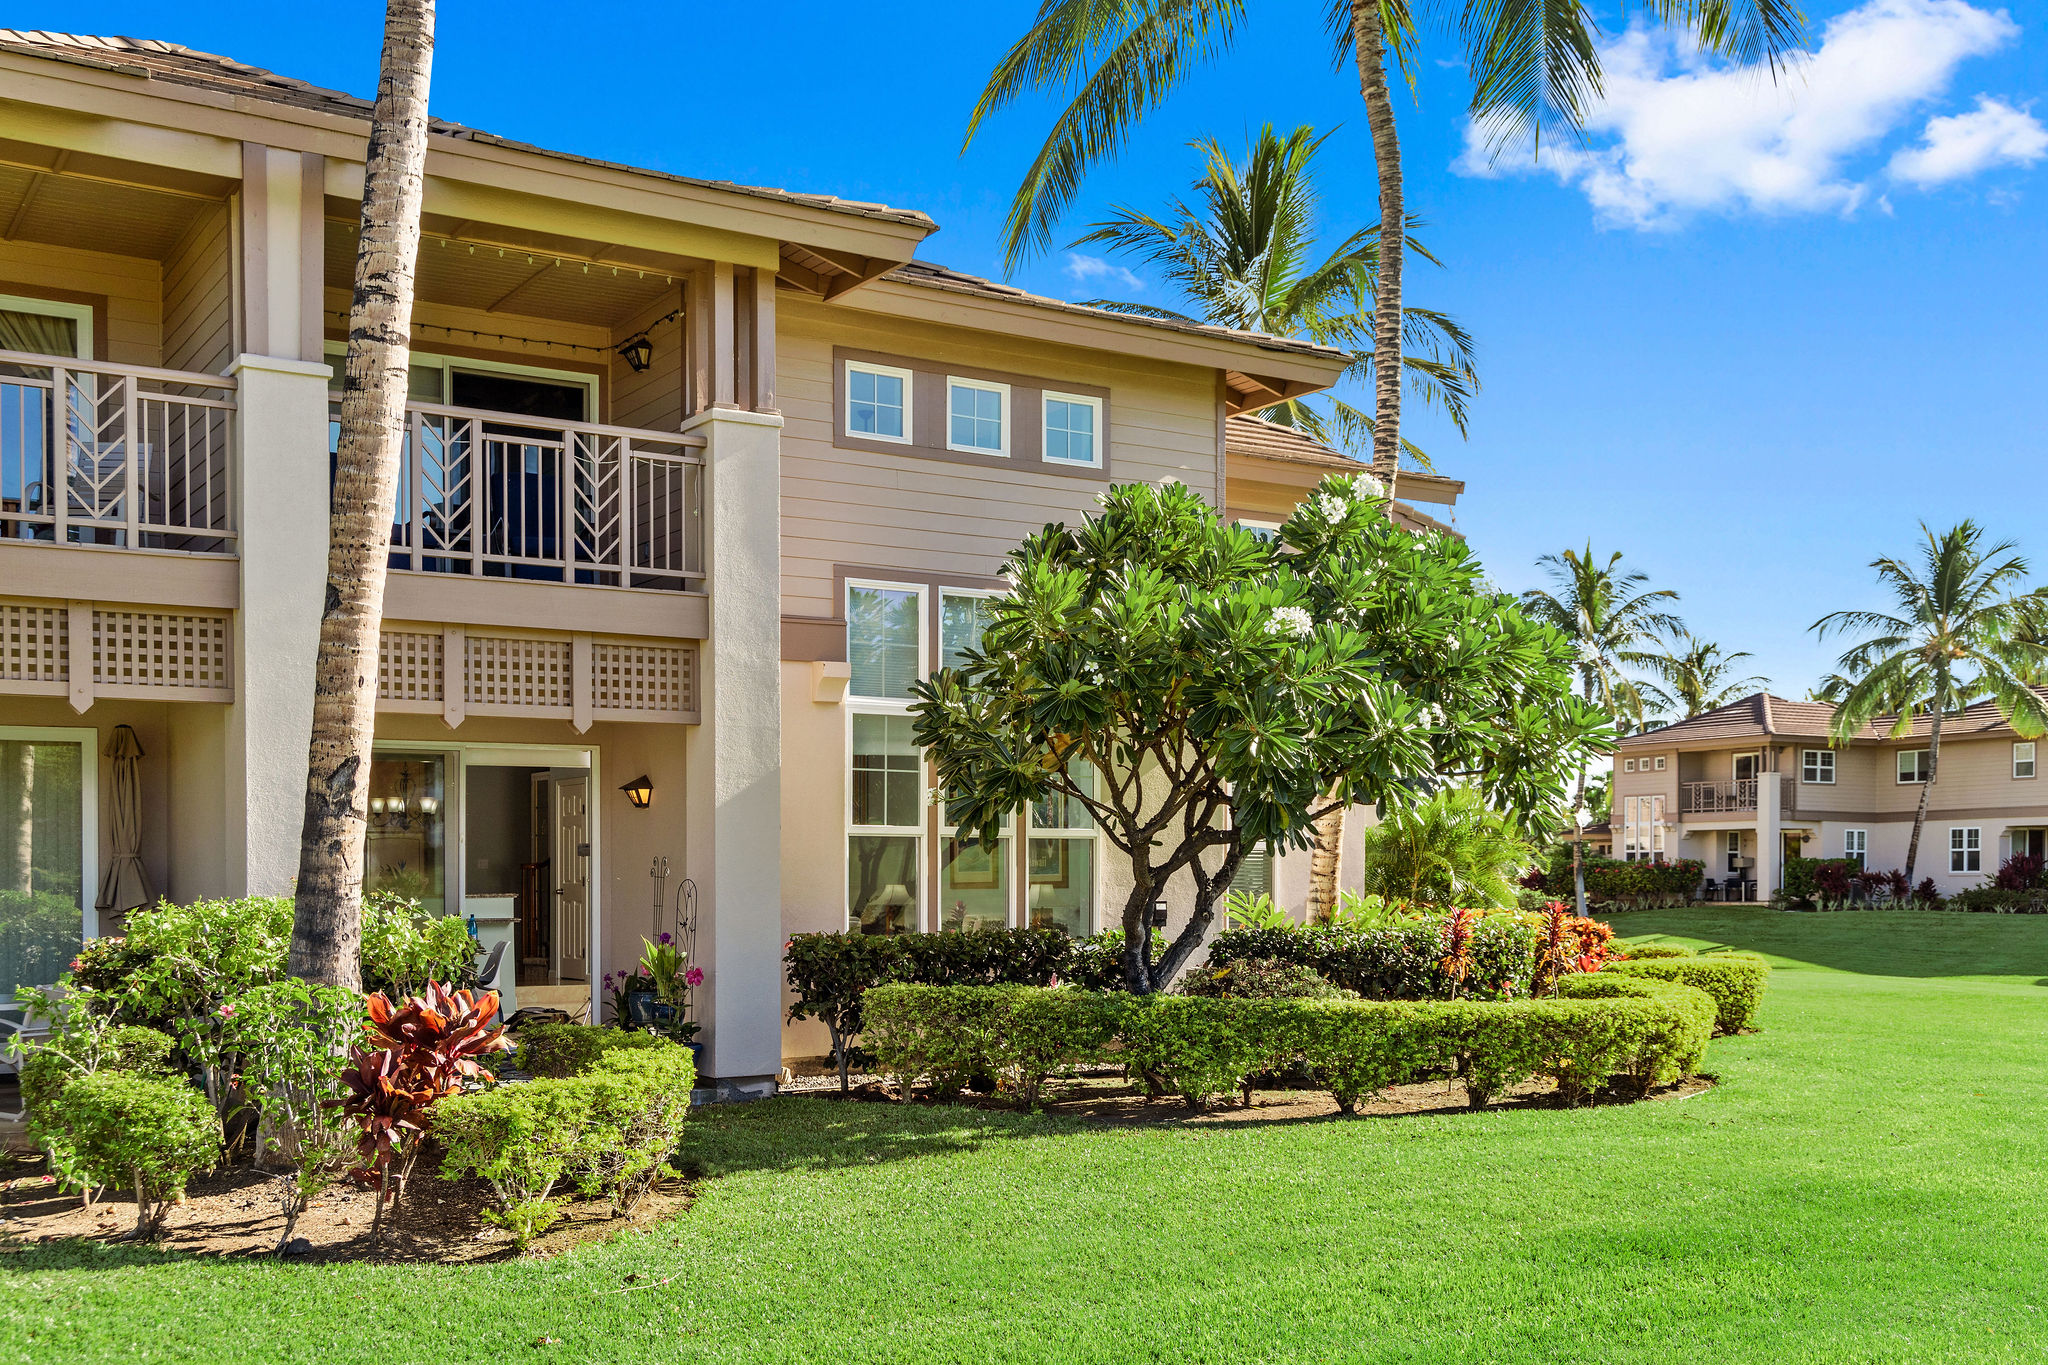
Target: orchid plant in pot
656 993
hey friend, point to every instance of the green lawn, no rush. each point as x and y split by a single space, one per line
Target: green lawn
1866 1183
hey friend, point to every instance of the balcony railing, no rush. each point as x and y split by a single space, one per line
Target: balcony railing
499 495
120 455
1715 798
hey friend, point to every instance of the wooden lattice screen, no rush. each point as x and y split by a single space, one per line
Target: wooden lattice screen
578 678
83 650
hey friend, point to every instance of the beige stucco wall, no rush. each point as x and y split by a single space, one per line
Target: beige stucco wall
842 506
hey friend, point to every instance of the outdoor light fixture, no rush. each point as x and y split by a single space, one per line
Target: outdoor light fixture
639 354
639 791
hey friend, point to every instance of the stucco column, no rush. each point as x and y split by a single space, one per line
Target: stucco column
734 759
281 515
1769 841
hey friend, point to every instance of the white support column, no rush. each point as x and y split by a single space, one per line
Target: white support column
281 518
733 843
1769 841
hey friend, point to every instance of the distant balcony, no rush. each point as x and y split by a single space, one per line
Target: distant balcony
500 495
122 456
1737 797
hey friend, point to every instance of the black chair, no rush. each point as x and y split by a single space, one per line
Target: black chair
1710 890
1733 889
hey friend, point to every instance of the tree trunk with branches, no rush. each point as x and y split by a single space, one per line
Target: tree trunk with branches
1369 40
327 917
1927 787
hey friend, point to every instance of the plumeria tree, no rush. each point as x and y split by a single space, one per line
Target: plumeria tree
1203 693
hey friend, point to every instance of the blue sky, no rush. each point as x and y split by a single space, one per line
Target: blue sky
1750 335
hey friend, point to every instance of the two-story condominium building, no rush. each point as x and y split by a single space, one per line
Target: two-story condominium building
698 478
1752 783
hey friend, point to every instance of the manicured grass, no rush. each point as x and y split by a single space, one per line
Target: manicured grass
1864 1184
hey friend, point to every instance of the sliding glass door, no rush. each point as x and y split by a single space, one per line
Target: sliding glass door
47 852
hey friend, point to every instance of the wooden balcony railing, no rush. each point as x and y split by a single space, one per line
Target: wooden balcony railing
115 455
1714 798
500 495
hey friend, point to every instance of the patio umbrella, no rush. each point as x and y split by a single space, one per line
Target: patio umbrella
126 885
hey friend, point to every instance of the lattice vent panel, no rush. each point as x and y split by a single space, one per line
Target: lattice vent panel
656 679
160 649
409 666
35 643
522 674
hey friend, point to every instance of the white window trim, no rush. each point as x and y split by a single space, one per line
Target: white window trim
80 313
1002 446
1901 779
1101 436
337 354
1856 836
1961 845
1628 765
2032 760
886 706
1660 763
1090 834
88 740
1827 781
846 414
938 646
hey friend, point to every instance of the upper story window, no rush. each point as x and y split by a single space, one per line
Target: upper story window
877 402
2023 759
1817 765
1660 763
1912 766
1628 765
977 417
1073 429
884 640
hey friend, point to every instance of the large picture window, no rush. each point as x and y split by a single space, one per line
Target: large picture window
48 847
1642 828
1059 870
885 642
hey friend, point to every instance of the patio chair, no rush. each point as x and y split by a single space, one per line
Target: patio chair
1732 889
1710 890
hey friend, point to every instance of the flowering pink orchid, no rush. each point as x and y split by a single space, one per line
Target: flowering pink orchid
694 977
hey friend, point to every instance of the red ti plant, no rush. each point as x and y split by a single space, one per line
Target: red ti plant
1570 943
1457 959
431 1044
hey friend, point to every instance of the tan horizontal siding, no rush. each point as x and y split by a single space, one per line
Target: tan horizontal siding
130 331
905 511
199 329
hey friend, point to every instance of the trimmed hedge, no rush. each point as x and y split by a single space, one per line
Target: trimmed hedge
1639 1032
607 1129
148 1132
1736 982
1613 878
1403 962
1645 952
557 1050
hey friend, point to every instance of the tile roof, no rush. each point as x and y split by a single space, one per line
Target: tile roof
1246 434
174 64
1761 714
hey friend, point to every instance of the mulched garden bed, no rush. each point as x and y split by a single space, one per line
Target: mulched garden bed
234 1212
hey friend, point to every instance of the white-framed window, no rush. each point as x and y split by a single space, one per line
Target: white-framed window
877 402
1912 766
1966 849
963 615
1732 842
977 417
1073 430
1660 763
1817 765
1628 765
490 385
2023 758
1060 860
45 327
1855 844
1267 531
1642 828
885 822
49 852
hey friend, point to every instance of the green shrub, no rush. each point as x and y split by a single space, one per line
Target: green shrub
1402 962
1735 981
607 1128
1447 849
83 1045
1642 1032
1096 963
1612 878
141 1130
1803 876
555 1050
1261 979
1993 900
1645 952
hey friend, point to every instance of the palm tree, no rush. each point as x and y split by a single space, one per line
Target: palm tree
1961 632
1534 66
1695 679
327 914
1608 613
1445 850
1245 255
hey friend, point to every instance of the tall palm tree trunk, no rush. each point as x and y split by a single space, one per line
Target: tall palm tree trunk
1370 42
1927 787
327 917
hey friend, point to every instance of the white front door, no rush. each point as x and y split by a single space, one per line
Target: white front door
572 880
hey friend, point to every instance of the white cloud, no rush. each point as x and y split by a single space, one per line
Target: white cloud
1091 269
1957 146
1679 133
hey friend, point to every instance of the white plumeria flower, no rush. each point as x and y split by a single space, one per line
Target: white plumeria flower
1293 622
